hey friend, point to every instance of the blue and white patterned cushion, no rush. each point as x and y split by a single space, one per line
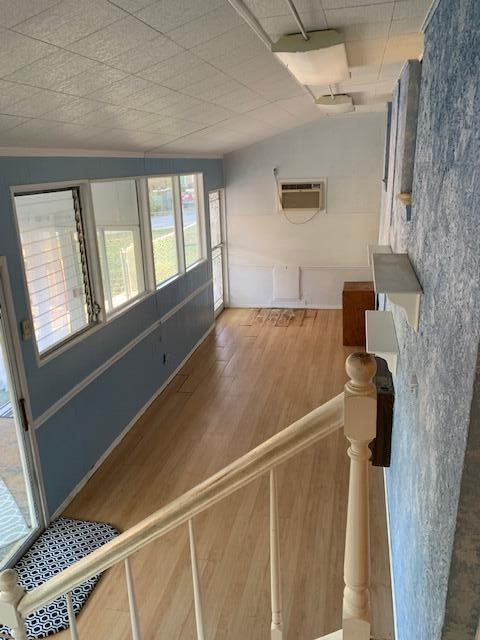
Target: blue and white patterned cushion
63 543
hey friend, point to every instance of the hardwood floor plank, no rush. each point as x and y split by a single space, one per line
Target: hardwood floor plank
286 316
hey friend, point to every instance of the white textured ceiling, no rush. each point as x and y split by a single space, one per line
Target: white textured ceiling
180 76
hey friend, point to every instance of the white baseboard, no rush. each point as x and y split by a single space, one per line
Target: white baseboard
270 305
392 582
286 303
120 437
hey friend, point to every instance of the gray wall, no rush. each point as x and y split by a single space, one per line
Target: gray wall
76 436
431 427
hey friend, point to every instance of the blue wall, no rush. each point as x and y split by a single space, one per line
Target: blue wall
74 438
431 426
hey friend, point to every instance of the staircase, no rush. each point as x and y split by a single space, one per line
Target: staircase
354 410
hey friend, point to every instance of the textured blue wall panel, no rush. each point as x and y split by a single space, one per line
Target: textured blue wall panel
73 439
443 241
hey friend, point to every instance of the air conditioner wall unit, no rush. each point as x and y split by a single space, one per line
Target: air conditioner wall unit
303 195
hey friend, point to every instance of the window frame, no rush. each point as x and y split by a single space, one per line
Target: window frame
115 312
178 215
92 257
93 254
178 231
201 219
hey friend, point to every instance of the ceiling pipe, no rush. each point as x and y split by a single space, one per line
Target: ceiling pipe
252 21
298 20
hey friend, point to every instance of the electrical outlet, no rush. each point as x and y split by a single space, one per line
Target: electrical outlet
165 358
26 330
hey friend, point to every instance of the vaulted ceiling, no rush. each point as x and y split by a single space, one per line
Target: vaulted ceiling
180 76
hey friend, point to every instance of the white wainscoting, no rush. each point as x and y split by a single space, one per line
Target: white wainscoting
320 287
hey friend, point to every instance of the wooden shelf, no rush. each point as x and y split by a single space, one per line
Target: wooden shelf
394 276
377 248
382 337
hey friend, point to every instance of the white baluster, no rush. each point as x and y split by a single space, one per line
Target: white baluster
275 576
10 595
72 620
197 590
132 601
360 429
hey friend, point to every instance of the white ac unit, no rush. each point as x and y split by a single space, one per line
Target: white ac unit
303 195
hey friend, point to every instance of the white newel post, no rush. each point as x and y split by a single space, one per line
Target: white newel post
360 429
197 588
10 595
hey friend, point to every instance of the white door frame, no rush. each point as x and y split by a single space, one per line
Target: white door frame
222 246
21 392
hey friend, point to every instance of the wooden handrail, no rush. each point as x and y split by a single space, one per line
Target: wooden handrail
284 445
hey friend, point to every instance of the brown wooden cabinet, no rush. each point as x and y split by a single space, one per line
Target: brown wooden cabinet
356 299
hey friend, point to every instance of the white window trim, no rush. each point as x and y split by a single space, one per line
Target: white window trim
177 206
146 233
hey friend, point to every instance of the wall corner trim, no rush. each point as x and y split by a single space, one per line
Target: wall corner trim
132 422
429 16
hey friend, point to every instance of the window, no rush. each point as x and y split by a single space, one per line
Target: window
191 219
119 242
144 232
162 222
55 258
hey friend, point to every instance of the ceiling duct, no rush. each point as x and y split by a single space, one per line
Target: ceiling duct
320 60
332 105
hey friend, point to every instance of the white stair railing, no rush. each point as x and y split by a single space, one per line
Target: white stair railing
356 408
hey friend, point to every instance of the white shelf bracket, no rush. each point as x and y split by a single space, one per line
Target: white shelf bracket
394 276
381 337
410 303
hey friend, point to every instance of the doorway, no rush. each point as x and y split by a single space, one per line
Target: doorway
218 246
20 519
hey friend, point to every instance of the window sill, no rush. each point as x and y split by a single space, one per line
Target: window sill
117 313
127 306
195 264
67 344
88 331
168 281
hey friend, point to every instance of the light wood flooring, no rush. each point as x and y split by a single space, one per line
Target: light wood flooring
250 378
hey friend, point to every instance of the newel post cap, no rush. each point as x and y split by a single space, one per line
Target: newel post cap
361 368
10 590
